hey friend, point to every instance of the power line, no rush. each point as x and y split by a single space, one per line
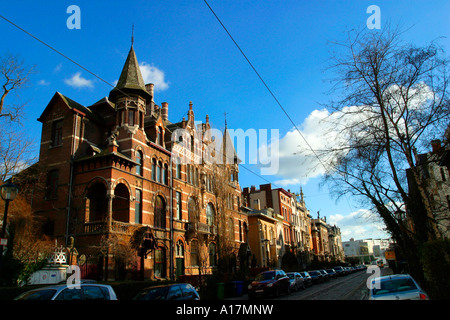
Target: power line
92 73
265 84
60 53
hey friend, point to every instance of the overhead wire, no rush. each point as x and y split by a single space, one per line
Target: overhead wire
265 84
60 53
92 73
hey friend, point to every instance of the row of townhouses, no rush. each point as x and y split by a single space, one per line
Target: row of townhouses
280 223
136 202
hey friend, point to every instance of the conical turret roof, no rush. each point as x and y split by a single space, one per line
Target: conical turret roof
130 80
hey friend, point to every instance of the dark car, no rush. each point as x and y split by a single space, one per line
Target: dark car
176 291
339 270
316 276
332 273
82 291
296 280
326 276
269 283
307 278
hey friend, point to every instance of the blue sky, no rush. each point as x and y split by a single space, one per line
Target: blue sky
183 48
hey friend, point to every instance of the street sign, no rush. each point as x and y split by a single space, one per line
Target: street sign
389 255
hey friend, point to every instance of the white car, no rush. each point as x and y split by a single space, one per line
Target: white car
396 287
82 291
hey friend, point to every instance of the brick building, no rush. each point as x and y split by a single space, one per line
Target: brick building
136 201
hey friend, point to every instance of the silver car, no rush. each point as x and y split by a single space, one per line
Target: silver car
83 291
396 287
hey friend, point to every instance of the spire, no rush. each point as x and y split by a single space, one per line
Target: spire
130 80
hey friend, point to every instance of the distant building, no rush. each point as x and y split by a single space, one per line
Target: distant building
366 250
295 230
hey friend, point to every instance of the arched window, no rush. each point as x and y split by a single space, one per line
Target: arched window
158 171
138 207
160 263
160 213
139 170
210 214
212 254
194 253
179 250
165 178
159 136
154 169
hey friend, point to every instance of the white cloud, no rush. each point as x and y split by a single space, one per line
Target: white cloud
77 81
360 224
152 74
43 82
297 162
324 131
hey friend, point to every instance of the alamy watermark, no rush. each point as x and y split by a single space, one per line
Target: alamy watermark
74 20
259 147
374 21
376 272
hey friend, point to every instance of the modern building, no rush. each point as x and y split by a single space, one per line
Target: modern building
366 250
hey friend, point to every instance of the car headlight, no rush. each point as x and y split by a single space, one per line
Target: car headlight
269 285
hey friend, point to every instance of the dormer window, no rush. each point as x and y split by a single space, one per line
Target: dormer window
159 136
57 127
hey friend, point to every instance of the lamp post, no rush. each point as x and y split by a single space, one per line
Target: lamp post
8 192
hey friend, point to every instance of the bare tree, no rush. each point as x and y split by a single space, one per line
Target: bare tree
13 76
394 101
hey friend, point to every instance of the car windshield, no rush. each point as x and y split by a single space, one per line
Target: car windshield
37 295
393 285
266 276
313 273
153 294
291 275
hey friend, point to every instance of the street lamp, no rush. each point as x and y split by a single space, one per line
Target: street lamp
9 192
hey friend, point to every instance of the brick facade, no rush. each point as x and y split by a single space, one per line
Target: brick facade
113 181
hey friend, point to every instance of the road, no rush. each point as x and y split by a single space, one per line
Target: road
349 287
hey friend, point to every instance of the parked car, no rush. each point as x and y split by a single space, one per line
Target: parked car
396 287
307 278
339 270
269 283
325 275
296 280
332 273
82 291
176 291
316 276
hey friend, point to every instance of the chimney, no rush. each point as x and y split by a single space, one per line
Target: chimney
165 111
252 188
150 104
149 87
435 145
